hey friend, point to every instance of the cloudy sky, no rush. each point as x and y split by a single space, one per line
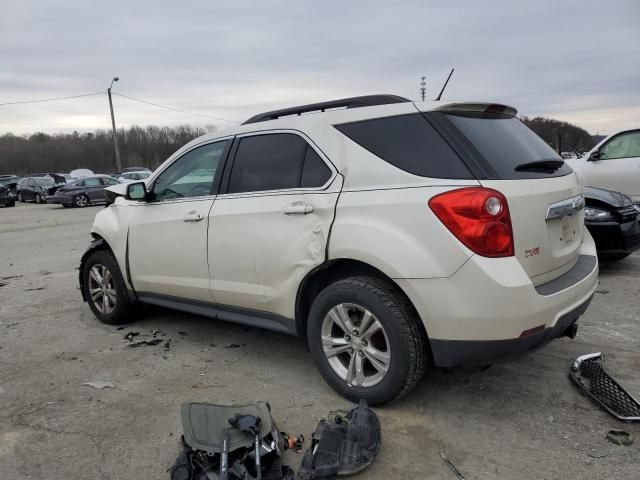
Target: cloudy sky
577 61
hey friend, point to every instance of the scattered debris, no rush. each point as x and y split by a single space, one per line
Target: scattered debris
200 385
121 328
33 289
142 343
3 284
589 374
602 291
43 272
451 466
10 277
167 344
213 345
620 437
11 324
236 345
596 455
99 385
129 336
183 333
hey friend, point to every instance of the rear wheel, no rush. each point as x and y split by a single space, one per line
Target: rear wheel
105 289
81 200
367 340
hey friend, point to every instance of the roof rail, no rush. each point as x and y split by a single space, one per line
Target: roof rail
353 102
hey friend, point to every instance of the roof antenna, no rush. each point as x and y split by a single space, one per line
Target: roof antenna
444 86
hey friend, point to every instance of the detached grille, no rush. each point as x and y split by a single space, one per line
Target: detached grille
589 374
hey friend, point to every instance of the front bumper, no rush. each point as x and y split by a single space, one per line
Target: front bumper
613 238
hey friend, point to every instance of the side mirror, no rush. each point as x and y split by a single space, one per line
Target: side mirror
136 191
594 156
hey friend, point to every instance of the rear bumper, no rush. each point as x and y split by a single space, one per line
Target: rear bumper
487 310
452 353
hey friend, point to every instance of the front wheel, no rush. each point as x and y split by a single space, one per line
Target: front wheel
104 288
367 340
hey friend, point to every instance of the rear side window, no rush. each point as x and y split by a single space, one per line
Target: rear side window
505 143
275 162
315 172
410 143
92 182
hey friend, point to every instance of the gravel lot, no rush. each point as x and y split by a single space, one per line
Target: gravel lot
520 420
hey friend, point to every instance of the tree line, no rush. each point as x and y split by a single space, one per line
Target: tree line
139 147
561 136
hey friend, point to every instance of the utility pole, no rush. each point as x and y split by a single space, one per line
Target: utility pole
423 87
113 126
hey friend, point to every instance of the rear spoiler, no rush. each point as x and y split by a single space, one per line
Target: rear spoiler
479 108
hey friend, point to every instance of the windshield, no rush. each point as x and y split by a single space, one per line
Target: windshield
506 143
8 180
44 181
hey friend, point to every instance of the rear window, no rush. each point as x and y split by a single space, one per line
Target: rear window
504 142
410 143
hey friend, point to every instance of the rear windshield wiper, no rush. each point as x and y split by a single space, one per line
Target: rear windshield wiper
540 165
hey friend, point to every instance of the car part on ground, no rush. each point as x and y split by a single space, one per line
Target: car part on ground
588 373
620 437
342 445
211 430
6 197
613 221
418 218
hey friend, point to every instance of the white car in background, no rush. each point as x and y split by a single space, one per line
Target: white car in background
129 177
391 235
613 164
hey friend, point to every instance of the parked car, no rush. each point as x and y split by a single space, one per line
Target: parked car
614 163
393 236
34 189
81 173
10 181
135 169
613 221
82 192
127 177
6 197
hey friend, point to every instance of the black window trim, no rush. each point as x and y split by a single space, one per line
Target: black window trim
216 178
224 187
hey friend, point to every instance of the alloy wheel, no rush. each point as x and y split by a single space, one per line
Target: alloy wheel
102 288
355 345
81 201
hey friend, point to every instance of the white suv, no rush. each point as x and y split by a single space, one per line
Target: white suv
391 235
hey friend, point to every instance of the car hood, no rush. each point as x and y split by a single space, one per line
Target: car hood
611 197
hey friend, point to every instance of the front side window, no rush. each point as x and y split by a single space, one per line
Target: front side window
191 175
625 145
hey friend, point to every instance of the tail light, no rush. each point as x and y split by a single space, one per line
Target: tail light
478 217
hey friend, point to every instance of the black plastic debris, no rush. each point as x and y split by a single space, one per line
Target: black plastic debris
589 374
235 345
620 437
143 343
343 445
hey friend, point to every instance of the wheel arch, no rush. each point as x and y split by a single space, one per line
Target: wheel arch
98 243
330 272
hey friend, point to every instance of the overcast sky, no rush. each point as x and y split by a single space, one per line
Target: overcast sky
577 61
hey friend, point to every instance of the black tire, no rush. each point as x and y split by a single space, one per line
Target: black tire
38 199
123 308
20 197
80 201
407 341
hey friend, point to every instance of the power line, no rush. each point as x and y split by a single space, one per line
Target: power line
51 99
174 109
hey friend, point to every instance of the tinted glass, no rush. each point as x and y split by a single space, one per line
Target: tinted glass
191 175
267 162
44 181
92 182
410 143
505 143
625 145
315 172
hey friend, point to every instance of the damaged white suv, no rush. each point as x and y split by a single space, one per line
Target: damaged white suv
391 235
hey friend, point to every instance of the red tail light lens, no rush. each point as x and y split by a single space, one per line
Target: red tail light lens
478 217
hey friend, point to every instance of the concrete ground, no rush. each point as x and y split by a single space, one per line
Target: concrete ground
520 420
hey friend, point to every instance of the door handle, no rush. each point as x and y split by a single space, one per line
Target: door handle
192 217
298 208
